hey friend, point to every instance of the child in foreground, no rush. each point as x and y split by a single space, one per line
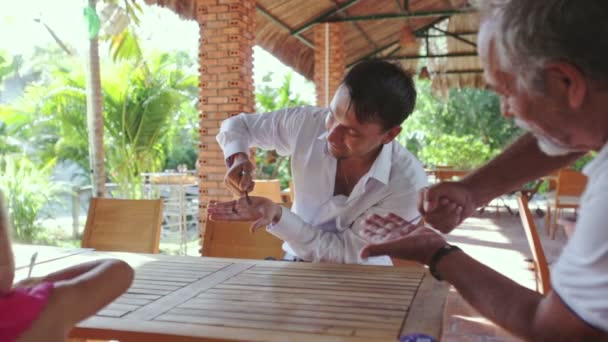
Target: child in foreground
47 308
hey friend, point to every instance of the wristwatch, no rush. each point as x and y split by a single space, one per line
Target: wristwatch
439 254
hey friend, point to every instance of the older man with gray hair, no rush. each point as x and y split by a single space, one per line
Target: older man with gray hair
548 61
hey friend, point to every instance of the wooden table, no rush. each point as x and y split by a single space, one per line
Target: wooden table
179 298
23 254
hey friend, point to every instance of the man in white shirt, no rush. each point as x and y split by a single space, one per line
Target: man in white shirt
547 59
345 164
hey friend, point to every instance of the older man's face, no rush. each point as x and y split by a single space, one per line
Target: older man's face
543 116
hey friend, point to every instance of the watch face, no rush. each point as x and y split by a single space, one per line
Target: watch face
417 338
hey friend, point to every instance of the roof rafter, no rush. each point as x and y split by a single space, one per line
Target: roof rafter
386 16
284 26
382 48
357 26
323 17
459 54
455 36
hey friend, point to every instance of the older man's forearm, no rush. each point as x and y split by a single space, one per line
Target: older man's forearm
495 296
518 164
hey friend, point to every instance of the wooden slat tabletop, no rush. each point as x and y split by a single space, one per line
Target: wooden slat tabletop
23 254
177 298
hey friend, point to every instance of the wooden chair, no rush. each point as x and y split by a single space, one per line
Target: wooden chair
269 188
231 239
570 187
292 192
123 225
446 173
541 268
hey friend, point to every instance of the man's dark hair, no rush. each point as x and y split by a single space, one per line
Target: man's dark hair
380 92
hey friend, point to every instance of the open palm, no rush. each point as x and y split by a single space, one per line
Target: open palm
260 210
394 236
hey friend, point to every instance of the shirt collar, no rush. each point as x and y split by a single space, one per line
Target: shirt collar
381 168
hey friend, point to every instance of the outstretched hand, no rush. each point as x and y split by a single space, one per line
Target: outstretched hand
394 236
262 211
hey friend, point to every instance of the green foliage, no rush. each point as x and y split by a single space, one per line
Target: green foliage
125 45
5 67
143 111
463 131
268 98
27 189
139 111
463 152
180 144
584 160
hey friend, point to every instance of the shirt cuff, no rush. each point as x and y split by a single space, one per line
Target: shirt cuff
289 227
235 147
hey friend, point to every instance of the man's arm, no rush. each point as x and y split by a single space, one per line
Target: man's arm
311 243
344 246
446 205
519 163
517 309
276 130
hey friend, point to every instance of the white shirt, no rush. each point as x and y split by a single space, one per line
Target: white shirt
321 226
580 276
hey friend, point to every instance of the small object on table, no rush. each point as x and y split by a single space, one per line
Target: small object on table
32 263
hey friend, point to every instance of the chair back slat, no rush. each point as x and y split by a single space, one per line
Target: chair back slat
231 239
570 183
123 225
269 188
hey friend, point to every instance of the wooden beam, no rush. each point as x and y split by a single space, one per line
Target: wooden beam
446 55
382 48
284 26
387 16
323 17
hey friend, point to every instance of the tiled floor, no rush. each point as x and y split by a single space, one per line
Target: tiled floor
497 240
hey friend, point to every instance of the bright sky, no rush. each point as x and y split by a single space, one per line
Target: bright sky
163 30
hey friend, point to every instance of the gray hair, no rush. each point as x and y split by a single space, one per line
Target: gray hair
532 33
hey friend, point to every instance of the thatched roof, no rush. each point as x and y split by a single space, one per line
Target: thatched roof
372 29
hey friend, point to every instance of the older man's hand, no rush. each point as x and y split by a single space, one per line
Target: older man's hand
394 236
445 205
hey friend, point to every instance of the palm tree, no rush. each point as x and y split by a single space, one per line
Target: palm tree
124 45
139 108
94 105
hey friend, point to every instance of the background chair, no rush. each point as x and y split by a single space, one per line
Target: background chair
541 267
231 239
570 187
123 225
269 188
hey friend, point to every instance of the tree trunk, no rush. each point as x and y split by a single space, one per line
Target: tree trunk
95 117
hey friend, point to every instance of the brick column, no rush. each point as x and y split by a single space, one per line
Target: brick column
329 60
227 30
